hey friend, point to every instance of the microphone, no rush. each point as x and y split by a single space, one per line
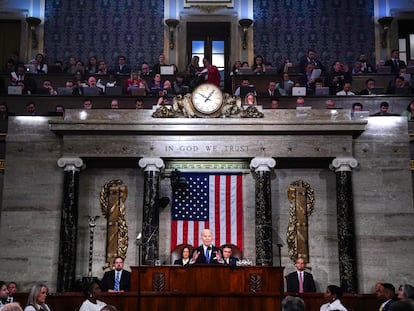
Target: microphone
209 248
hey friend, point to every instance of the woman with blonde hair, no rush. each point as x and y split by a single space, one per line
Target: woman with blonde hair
14 306
37 298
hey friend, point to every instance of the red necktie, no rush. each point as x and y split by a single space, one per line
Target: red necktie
300 282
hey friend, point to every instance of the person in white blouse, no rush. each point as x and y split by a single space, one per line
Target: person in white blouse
185 257
333 295
37 298
92 292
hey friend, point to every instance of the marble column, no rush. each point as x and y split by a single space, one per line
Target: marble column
348 272
150 211
263 202
68 224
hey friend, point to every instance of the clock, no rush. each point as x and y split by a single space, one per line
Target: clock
207 100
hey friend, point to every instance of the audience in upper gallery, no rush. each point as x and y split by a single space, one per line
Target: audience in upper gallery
102 68
258 66
39 63
70 66
285 87
167 88
134 82
333 295
145 70
156 85
245 65
92 83
357 107
37 298
285 65
250 99
179 86
310 57
300 102
4 111
274 103
92 293
386 295
114 104
329 104
290 303
366 67
87 103
192 70
369 87
210 73
357 69
407 76
31 109
245 83
20 75
92 66
346 90
121 67
308 79
25 90
4 293
271 91
384 106
409 111
337 77
399 86
394 62
47 88
9 67
235 68
139 103
157 66
112 81
404 292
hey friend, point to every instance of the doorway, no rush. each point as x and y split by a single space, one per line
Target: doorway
9 39
210 40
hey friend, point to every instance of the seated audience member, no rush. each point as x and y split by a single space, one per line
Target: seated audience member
192 70
121 67
4 293
403 305
409 111
369 87
184 260
399 86
145 70
87 103
386 295
337 77
244 83
285 87
357 69
39 63
14 306
290 303
4 111
80 66
92 83
300 102
31 109
235 69
102 68
384 110
357 107
346 90
407 76
111 82
300 281
9 67
404 292
114 104
47 88
258 66
179 86
25 90
139 103
274 103
134 81
163 100
37 298
366 67
59 110
227 256
330 104
70 66
310 57
20 75
207 253
117 280
250 99
92 293
156 69
271 91
92 67
210 73
307 80
156 85
167 86
394 62
333 295
284 66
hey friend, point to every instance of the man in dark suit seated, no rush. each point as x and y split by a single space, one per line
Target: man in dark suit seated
227 257
117 280
300 281
394 62
207 253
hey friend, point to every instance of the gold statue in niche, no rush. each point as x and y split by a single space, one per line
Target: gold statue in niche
112 199
301 204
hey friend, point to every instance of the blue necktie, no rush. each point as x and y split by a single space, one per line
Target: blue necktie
207 255
117 278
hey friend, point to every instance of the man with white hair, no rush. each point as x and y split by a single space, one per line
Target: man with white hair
207 253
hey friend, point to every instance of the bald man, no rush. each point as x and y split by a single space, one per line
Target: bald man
207 253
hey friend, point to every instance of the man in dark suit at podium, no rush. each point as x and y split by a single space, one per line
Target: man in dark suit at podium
227 257
117 280
300 281
207 253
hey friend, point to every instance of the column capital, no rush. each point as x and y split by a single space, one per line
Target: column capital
344 164
151 164
262 164
70 163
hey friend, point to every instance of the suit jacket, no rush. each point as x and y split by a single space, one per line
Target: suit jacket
108 281
391 63
387 306
180 262
202 257
232 261
292 283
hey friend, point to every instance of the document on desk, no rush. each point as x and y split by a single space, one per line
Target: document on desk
316 73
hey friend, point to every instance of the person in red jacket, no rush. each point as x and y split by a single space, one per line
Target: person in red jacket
210 73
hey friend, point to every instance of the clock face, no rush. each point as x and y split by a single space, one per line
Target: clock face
207 99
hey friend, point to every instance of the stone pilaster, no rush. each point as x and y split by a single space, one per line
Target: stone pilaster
150 211
348 272
68 224
263 201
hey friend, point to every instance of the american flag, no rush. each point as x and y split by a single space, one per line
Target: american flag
210 201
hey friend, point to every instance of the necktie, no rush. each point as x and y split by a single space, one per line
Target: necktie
396 64
208 254
117 278
300 282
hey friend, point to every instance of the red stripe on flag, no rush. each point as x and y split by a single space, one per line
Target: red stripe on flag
228 208
217 208
239 209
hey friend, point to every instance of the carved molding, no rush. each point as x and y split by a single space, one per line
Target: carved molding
70 164
344 164
262 164
151 164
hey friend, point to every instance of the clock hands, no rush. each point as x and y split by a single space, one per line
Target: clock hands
209 95
202 95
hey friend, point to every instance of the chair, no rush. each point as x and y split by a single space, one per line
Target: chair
176 253
235 251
